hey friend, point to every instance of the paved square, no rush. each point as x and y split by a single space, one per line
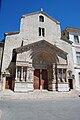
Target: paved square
50 109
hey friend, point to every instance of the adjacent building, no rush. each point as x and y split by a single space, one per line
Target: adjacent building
73 35
39 56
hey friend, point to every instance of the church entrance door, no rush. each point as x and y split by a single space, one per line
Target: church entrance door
44 79
70 84
40 79
37 79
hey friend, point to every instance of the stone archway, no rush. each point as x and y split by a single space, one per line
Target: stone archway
43 70
41 59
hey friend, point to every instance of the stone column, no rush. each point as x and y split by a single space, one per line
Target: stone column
62 76
27 75
66 76
30 78
4 82
16 74
22 73
30 74
56 77
53 78
40 79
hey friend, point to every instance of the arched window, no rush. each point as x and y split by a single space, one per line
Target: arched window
41 18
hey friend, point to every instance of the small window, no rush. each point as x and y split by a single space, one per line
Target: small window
41 18
41 32
78 57
76 39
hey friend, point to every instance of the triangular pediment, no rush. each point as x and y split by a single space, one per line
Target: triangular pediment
41 12
43 44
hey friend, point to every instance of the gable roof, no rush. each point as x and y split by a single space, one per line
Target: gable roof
57 22
71 29
23 16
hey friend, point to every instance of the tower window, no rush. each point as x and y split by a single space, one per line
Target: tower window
41 18
41 31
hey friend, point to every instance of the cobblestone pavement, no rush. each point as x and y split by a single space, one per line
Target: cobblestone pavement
36 94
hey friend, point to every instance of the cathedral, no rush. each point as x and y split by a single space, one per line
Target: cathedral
37 56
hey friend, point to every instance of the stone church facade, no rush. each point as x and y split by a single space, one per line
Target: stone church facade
37 57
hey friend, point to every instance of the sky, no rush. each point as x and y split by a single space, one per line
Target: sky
67 12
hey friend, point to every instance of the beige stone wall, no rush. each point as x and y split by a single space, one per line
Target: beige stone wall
11 42
30 25
25 56
67 47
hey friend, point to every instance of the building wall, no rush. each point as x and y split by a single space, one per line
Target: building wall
11 42
67 47
75 48
77 79
29 29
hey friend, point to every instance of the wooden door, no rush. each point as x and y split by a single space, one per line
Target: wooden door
8 84
44 79
37 79
70 84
